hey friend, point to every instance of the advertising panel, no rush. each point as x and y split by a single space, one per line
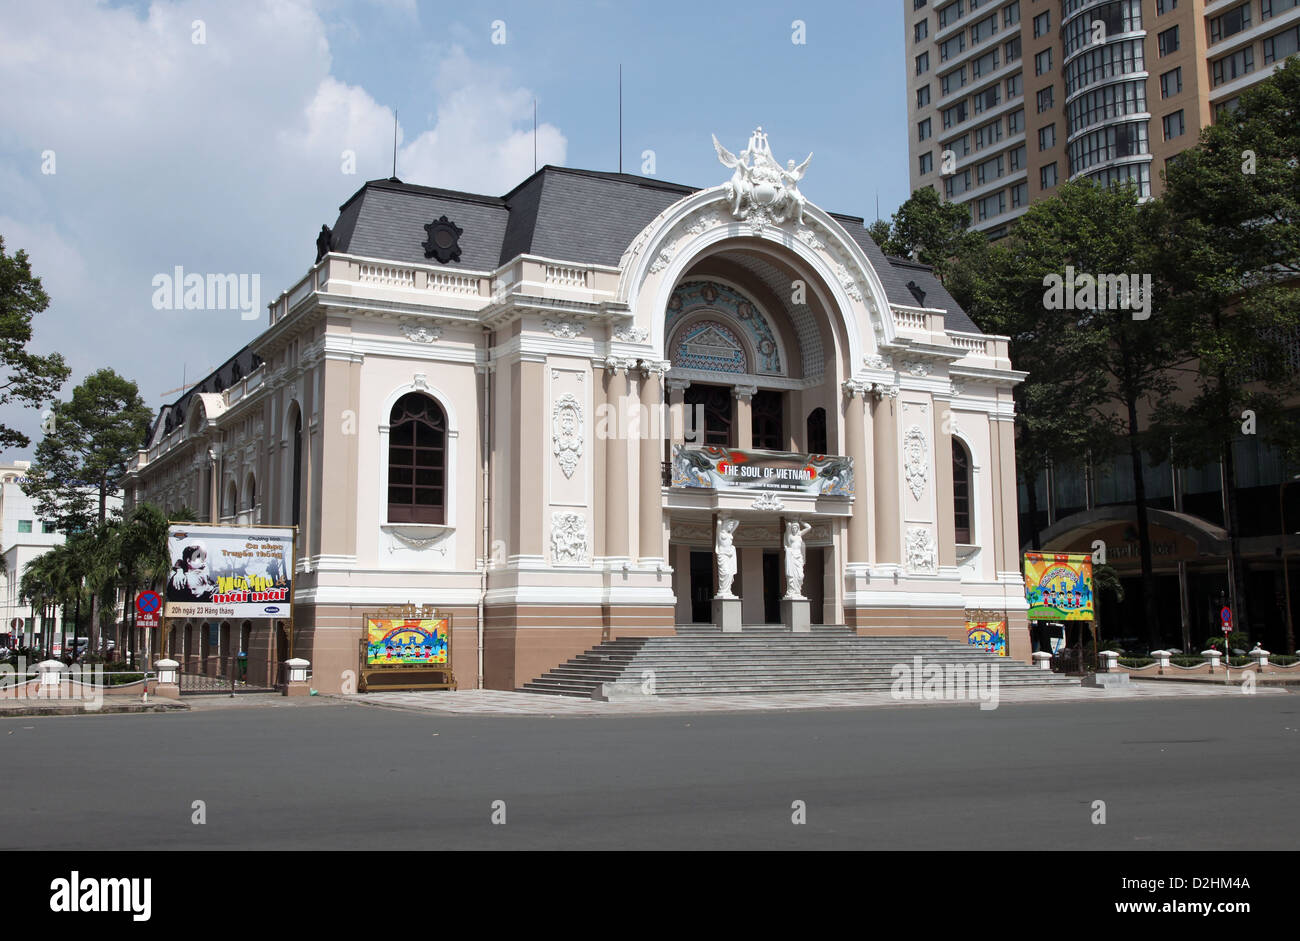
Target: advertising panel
1058 586
229 571
716 468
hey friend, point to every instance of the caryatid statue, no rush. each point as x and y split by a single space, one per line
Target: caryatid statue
725 551
794 557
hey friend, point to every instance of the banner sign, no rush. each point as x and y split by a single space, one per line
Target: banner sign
988 635
715 468
229 571
408 642
1058 586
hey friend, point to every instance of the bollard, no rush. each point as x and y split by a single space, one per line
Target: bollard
1109 661
168 685
1043 659
295 672
1260 656
51 673
1162 659
1213 656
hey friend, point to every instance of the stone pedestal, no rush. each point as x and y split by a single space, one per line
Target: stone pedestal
168 684
295 676
796 615
726 614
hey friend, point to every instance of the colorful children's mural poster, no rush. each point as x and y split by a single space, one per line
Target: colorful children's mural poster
408 642
988 635
1058 586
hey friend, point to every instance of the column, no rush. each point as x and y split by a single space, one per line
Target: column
616 535
676 432
650 516
884 426
855 444
945 523
744 416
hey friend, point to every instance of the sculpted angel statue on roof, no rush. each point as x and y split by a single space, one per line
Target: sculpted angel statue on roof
762 187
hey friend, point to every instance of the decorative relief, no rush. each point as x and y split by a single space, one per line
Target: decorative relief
419 540
705 222
916 464
809 238
767 501
916 367
663 260
567 432
631 333
568 538
876 361
562 327
696 295
920 550
957 389
421 334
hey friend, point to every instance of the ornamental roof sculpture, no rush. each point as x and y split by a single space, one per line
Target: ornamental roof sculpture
761 191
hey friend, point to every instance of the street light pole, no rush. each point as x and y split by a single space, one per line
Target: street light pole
1286 579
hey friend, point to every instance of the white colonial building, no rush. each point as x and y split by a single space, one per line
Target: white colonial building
534 411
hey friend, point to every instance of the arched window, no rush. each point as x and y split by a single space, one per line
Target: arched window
297 470
417 468
231 504
961 492
816 442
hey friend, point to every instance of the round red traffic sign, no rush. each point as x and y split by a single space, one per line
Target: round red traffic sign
148 601
1226 616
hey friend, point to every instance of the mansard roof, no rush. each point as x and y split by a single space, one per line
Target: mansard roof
583 216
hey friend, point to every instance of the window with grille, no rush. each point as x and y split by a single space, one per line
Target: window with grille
417 466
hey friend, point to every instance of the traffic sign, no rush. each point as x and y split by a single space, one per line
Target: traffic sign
1226 616
16 624
148 602
146 619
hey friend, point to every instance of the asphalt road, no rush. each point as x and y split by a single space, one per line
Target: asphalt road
930 777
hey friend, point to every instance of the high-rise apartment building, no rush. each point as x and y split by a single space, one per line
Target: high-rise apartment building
1009 98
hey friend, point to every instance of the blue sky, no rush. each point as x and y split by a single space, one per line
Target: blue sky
225 155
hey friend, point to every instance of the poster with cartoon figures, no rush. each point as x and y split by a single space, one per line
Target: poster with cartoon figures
407 642
229 571
988 635
1058 586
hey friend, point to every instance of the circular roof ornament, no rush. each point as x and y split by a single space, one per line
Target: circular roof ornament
443 242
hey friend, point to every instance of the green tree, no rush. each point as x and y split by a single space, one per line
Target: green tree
928 230
81 460
26 379
1232 257
1096 369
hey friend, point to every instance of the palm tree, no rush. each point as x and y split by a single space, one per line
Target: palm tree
36 588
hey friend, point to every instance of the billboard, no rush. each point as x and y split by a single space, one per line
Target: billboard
988 635
1058 586
716 468
229 571
408 642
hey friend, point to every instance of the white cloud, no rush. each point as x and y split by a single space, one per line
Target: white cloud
220 157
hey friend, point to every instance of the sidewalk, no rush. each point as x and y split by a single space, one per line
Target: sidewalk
502 702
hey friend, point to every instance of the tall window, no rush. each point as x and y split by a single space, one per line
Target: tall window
961 492
297 470
817 431
716 403
417 467
766 426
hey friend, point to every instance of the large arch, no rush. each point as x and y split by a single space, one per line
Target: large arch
687 230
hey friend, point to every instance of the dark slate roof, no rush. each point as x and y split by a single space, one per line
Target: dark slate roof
936 295
584 216
223 377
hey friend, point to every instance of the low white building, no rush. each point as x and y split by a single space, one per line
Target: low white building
26 537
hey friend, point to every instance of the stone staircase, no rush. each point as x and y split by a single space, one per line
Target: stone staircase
701 659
